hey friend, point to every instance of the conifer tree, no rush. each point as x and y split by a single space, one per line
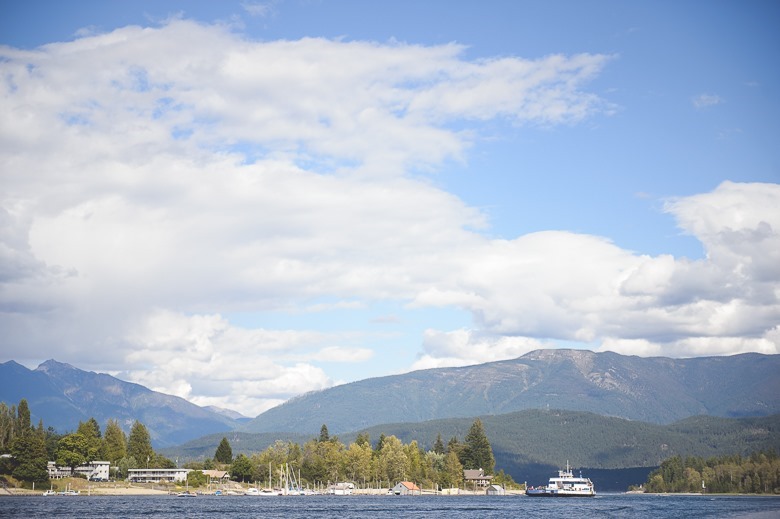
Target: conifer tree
324 435
139 444
23 417
438 445
224 452
114 442
478 454
29 452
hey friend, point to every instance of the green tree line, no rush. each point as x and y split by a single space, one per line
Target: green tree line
758 473
31 448
326 460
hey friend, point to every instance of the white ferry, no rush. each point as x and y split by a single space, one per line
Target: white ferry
565 485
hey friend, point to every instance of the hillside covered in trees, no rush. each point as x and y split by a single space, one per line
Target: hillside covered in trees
383 464
649 389
31 448
758 473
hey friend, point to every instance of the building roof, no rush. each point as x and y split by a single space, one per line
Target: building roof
409 485
475 474
216 474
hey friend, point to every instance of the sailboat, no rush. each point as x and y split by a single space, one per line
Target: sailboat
269 491
186 492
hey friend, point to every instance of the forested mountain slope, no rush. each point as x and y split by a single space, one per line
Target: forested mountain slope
659 390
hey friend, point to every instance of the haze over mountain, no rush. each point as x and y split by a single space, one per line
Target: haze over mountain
657 390
63 395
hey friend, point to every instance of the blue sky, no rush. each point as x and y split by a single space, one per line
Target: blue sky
237 202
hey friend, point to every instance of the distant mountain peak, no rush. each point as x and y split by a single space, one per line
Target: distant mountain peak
230 413
53 366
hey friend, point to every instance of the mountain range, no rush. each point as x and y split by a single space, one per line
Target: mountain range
532 444
657 390
62 395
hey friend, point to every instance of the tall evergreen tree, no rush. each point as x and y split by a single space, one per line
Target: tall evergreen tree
139 445
380 442
52 440
324 435
438 445
23 417
455 446
29 452
478 454
224 452
114 442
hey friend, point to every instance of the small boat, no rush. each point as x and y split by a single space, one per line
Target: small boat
565 485
70 493
50 493
186 494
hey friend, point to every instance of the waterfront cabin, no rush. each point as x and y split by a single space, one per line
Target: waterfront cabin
406 488
476 478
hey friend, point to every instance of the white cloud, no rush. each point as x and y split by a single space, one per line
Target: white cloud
156 180
205 359
261 9
465 347
584 288
706 100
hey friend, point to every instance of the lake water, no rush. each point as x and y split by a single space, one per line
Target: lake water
210 507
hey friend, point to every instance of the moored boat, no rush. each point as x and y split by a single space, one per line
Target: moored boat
565 485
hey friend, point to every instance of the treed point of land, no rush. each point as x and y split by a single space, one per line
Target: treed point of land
26 450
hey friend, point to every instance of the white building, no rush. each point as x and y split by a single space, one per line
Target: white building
341 489
406 488
495 490
157 475
93 471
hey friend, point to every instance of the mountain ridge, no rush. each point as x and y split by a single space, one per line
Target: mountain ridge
652 389
63 395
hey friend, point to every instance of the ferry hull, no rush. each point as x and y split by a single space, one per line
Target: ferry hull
553 493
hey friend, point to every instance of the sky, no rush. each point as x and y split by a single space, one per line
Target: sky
240 202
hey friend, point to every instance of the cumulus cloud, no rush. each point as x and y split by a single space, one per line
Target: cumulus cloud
583 288
157 180
464 347
209 361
